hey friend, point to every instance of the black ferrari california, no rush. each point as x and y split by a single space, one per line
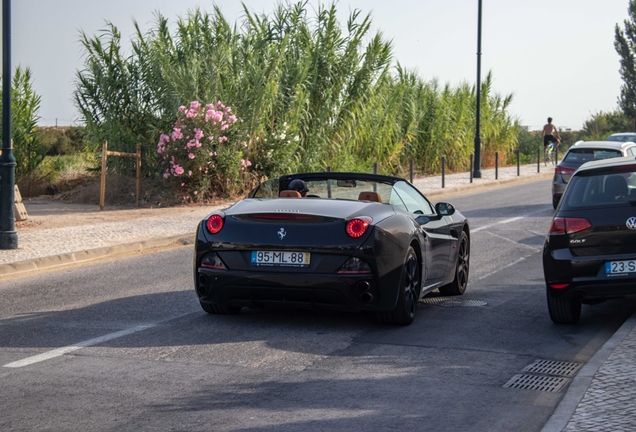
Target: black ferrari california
348 241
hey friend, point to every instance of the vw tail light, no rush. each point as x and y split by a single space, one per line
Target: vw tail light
562 225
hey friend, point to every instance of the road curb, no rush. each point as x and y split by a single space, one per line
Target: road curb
61 260
564 411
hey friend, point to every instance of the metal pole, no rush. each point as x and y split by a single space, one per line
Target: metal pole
8 236
443 170
471 166
539 160
477 173
496 165
411 170
518 163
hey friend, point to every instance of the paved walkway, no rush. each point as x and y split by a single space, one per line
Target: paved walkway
600 398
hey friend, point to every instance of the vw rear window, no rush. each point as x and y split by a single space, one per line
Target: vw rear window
608 189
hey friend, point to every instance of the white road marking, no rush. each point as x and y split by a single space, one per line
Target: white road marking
535 249
61 351
504 267
481 228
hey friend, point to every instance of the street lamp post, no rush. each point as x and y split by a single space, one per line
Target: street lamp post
8 236
477 166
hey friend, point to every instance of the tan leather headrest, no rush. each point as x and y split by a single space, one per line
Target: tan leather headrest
370 196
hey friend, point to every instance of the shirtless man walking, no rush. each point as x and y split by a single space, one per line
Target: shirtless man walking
550 134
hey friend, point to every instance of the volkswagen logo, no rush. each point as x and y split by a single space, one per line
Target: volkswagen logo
631 223
281 233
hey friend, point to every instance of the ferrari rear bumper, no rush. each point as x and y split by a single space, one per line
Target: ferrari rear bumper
297 291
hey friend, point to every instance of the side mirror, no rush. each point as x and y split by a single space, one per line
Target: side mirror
422 220
444 209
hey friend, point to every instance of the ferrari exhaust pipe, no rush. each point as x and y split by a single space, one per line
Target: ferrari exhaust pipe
203 279
363 286
366 297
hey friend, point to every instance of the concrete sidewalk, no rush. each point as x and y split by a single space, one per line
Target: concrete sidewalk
60 234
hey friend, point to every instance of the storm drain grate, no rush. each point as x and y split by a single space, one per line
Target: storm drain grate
537 382
452 302
550 367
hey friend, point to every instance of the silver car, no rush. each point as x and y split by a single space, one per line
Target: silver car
585 151
623 137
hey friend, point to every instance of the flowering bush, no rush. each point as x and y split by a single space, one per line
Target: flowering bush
202 154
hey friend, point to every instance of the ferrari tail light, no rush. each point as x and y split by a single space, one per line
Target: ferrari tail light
215 224
563 171
354 265
569 225
559 286
212 260
357 227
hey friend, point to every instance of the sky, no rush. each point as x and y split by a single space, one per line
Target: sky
556 57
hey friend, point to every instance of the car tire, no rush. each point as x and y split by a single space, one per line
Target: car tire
564 310
555 202
410 281
215 309
462 266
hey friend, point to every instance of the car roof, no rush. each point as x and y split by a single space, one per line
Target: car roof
624 134
609 145
607 163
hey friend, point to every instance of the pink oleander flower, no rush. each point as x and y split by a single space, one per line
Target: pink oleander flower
190 173
166 175
222 138
176 134
191 113
191 143
231 119
195 105
163 139
191 155
178 170
198 133
182 108
225 126
195 192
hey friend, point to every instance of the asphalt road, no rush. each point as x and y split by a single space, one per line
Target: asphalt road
139 353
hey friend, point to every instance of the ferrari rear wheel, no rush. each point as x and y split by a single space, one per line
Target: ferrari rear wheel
458 285
410 282
215 309
564 311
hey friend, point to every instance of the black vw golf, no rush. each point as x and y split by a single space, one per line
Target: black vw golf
590 253
346 241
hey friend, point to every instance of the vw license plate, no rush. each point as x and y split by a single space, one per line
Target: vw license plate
282 259
613 267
